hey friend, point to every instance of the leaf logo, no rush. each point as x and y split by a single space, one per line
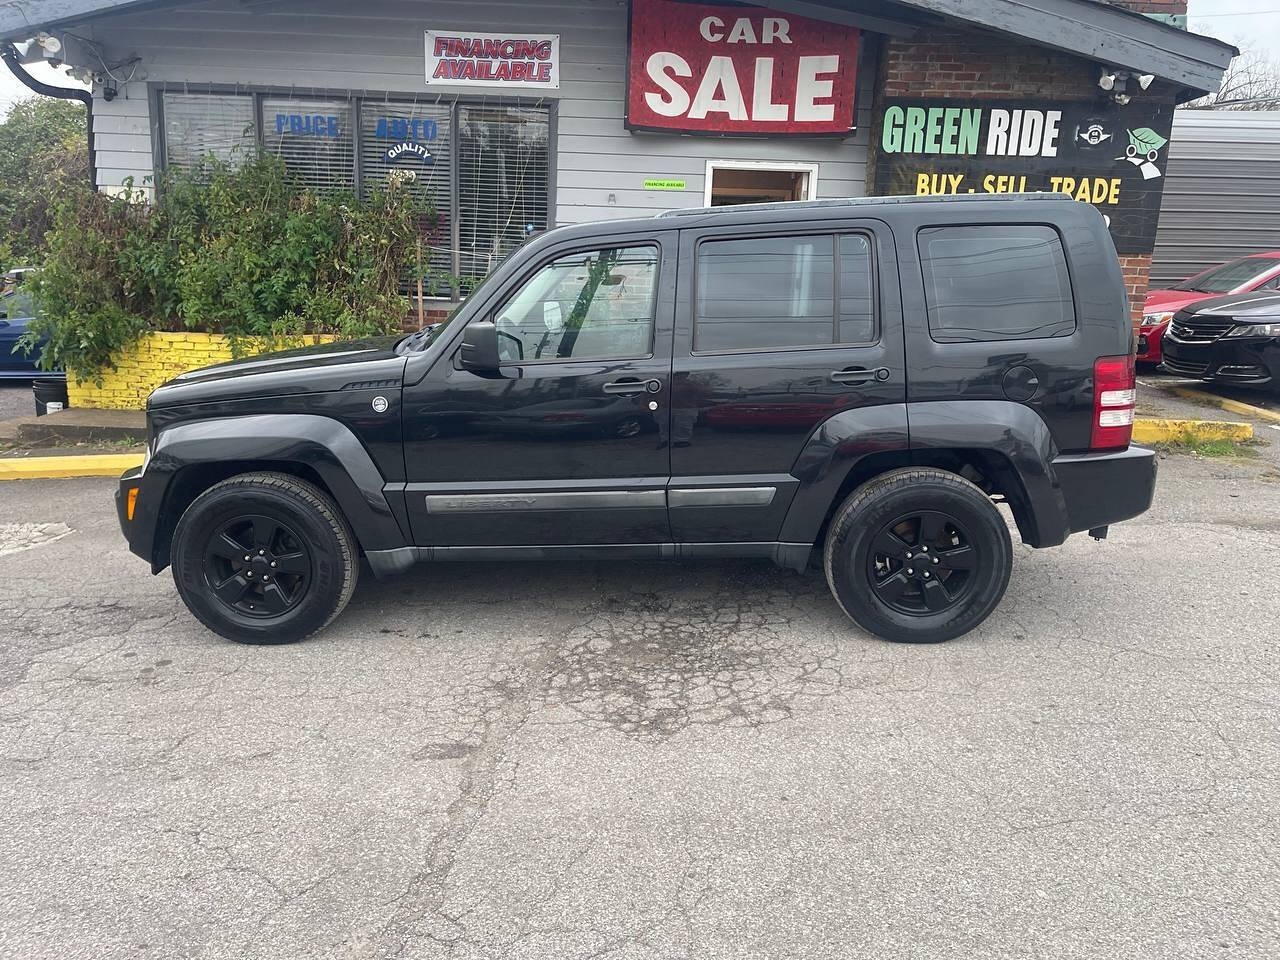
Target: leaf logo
1145 140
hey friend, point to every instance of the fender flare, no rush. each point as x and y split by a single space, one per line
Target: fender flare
907 434
1016 433
321 443
830 454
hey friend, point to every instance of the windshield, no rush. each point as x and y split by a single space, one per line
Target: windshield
1229 276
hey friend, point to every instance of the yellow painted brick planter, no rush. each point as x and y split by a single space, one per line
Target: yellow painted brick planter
158 357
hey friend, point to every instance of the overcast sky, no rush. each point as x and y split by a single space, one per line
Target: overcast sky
1246 23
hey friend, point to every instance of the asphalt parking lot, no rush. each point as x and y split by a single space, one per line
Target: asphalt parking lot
643 760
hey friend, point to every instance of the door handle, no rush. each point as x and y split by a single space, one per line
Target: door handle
633 386
856 375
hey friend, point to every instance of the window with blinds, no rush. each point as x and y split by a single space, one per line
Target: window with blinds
502 181
414 142
198 126
314 138
482 168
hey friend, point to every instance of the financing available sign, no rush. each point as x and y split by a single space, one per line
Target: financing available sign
509 61
738 70
1097 152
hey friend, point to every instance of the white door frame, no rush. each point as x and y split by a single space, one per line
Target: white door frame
786 166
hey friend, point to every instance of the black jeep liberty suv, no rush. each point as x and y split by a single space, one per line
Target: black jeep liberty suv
858 382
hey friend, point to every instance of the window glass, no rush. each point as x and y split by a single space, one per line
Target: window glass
996 283
763 293
502 181
314 138
1227 277
857 291
414 143
199 125
18 305
585 306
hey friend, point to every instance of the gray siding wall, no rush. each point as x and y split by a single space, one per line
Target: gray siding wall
376 46
1222 195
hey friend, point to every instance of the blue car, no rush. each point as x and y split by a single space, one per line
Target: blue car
17 309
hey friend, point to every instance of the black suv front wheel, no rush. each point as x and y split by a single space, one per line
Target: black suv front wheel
264 558
918 556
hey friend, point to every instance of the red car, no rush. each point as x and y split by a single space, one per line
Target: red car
1261 271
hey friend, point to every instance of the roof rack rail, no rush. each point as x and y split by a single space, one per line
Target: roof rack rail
857 202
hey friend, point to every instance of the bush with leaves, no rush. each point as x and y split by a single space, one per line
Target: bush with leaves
43 153
240 250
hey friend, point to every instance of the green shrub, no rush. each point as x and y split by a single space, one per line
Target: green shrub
243 251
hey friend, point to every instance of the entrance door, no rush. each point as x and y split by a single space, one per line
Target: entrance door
779 328
748 181
566 446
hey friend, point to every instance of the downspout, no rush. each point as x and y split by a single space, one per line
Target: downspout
10 56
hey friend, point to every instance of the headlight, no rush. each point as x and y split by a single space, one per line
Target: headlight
1255 330
1153 319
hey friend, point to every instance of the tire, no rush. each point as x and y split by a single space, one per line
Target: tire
303 562
954 584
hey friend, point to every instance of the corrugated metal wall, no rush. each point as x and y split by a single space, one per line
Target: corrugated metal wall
1222 192
377 45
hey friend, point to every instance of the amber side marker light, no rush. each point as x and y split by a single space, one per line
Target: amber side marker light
131 503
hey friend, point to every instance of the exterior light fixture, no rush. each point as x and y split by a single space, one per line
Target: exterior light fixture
49 43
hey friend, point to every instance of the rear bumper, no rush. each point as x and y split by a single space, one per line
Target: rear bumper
1100 489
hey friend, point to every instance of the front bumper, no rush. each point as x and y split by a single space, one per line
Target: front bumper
1105 488
1252 361
139 532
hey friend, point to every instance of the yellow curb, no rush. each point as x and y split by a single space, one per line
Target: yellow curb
1231 406
1146 430
89 465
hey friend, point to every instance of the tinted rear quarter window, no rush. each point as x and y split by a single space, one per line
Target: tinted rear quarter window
996 283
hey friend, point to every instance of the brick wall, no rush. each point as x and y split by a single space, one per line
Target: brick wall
151 361
972 65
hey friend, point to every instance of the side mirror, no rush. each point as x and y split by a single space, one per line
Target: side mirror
479 352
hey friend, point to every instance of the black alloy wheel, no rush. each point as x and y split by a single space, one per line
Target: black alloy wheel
918 555
258 566
922 563
264 558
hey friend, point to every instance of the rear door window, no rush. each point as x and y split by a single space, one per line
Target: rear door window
986 283
775 293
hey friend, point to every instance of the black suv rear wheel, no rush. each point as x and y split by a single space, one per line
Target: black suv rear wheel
918 556
264 558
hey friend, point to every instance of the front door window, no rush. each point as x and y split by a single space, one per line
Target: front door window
596 305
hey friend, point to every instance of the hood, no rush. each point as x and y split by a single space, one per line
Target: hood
1245 307
318 369
1171 301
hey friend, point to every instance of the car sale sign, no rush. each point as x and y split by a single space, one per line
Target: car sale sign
738 70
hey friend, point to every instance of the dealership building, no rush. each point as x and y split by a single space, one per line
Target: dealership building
512 116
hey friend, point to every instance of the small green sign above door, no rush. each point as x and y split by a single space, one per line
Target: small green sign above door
664 184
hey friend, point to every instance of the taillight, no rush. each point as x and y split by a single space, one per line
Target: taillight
1115 392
